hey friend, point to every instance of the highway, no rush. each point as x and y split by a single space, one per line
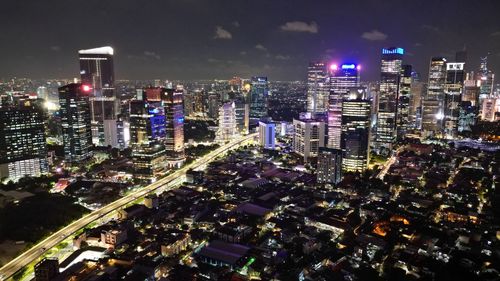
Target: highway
38 250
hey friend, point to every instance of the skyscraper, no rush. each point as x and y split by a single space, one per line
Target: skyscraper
242 115
258 97
391 66
227 129
147 134
329 168
97 70
342 78
355 144
174 114
309 136
75 121
267 134
433 103
454 88
23 150
486 80
318 87
403 111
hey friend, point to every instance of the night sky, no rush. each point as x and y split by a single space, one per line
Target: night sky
205 39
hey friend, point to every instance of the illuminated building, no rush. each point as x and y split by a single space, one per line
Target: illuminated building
75 122
454 88
227 123
403 124
391 67
433 103
355 141
174 118
147 133
329 168
342 78
489 108
486 80
97 70
309 136
242 111
23 149
318 87
258 97
267 134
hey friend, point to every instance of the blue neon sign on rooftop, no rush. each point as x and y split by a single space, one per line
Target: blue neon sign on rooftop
349 66
391 51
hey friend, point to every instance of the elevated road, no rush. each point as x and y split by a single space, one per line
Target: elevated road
39 249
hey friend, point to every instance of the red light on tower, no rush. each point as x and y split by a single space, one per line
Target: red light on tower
358 67
86 88
333 67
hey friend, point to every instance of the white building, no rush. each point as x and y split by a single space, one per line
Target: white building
227 123
308 137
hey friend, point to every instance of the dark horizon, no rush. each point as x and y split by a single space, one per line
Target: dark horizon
194 40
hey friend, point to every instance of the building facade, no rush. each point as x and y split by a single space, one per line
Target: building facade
309 136
97 70
390 82
76 121
23 149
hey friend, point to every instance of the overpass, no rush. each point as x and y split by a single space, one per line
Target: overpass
167 182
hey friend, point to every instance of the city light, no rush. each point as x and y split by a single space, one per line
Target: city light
86 88
333 67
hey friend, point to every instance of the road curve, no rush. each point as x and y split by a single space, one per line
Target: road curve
39 249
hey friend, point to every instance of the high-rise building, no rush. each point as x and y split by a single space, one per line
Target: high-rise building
418 90
227 123
403 124
391 67
318 87
433 103
147 134
329 168
97 70
342 78
258 97
486 80
454 88
23 149
309 136
213 105
267 134
242 110
75 121
355 143
174 118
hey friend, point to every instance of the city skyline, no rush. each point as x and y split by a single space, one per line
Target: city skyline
198 40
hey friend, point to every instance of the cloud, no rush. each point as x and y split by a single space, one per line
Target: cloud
212 60
235 24
495 34
418 44
300 26
330 51
221 33
374 35
152 55
243 53
429 27
55 48
282 57
260 47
